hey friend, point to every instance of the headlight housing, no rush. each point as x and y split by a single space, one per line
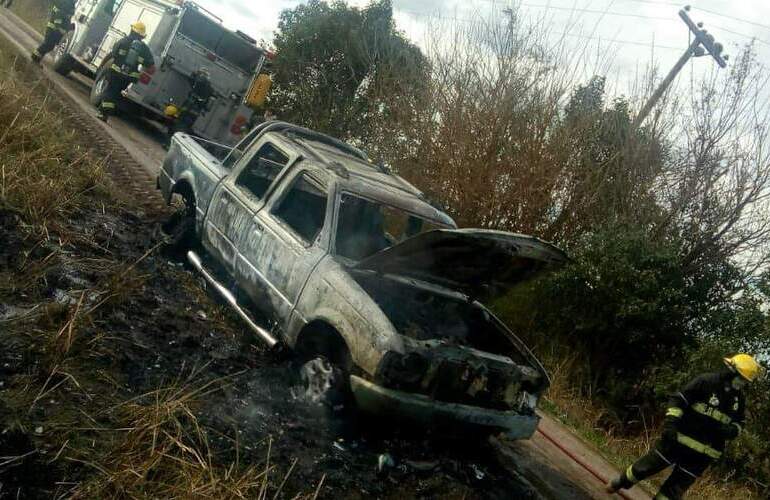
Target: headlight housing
403 372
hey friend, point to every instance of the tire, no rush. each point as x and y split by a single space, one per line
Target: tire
63 62
325 383
180 229
100 86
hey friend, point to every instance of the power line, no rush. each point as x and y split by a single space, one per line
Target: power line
594 11
741 34
649 2
680 4
577 35
656 18
734 18
615 40
720 14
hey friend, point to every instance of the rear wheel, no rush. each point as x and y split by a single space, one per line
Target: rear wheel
63 62
99 89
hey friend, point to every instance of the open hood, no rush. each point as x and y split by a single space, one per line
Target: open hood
479 263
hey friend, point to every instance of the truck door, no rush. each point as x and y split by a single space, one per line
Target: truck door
288 249
230 218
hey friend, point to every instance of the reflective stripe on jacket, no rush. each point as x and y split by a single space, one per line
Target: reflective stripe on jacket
61 15
702 409
121 52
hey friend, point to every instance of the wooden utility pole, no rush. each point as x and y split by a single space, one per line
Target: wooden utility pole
703 44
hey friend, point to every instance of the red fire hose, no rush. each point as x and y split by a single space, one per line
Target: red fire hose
580 462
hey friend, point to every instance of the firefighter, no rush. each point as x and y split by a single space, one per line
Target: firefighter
127 55
196 104
59 24
700 419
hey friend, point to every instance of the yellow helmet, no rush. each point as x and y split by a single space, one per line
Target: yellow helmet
172 111
745 365
139 28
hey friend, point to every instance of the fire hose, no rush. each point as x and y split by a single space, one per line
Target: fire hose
579 461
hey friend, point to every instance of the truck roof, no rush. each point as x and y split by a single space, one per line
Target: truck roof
355 171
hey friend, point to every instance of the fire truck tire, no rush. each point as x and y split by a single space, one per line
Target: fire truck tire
100 85
64 64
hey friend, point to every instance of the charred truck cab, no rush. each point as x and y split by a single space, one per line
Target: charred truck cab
185 39
354 266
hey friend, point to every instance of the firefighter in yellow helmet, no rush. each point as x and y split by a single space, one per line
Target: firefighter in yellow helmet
128 54
701 418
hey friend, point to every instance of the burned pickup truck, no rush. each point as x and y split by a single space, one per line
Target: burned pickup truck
361 276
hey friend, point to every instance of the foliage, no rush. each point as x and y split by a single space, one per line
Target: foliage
627 305
340 68
626 325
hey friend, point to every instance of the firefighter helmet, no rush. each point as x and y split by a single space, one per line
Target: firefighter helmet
746 366
172 111
139 28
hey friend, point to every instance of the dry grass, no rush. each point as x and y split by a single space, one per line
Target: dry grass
46 174
34 12
584 416
152 446
162 451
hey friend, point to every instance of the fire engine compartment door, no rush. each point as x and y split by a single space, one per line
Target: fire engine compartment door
260 87
130 12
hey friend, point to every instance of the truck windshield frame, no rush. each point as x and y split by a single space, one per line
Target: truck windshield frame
367 226
212 36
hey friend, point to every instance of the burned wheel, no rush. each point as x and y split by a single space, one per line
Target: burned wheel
322 382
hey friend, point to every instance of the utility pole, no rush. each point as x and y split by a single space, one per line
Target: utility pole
703 44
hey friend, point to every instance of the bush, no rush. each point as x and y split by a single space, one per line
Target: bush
628 306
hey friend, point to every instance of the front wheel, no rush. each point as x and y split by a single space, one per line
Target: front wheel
325 383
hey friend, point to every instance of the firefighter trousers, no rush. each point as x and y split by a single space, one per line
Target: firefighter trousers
116 84
50 41
688 465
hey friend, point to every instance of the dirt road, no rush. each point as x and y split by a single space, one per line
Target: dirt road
342 447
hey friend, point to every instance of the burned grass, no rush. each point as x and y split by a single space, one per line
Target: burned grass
90 315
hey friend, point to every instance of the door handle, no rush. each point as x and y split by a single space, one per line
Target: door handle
259 227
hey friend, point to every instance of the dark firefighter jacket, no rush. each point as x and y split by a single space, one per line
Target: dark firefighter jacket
61 15
201 92
128 54
707 413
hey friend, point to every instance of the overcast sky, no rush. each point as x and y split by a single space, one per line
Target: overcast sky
626 27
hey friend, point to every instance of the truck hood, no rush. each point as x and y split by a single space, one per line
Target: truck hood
476 262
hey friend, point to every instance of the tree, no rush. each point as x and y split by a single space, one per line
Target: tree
612 167
343 70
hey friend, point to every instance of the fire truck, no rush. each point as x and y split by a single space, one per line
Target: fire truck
184 38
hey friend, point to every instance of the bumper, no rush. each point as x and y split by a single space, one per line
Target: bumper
378 400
